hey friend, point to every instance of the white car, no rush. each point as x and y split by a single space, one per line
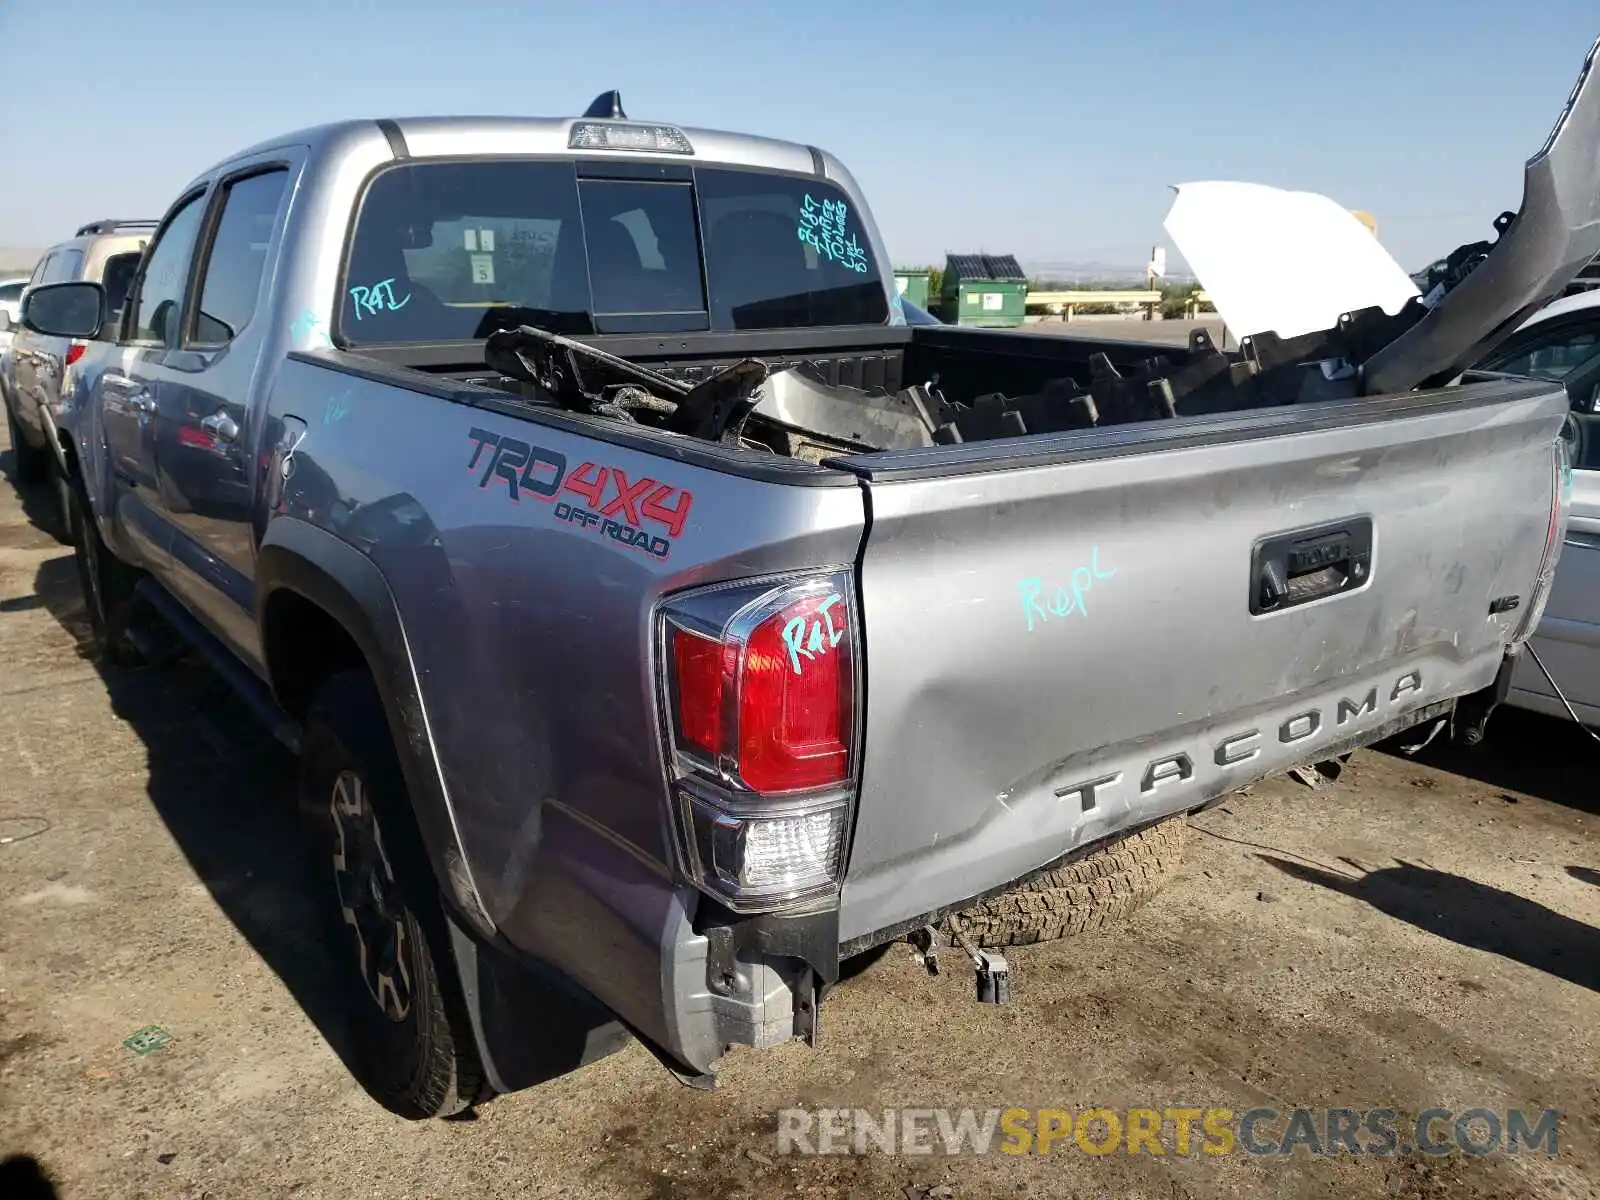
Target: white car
10 304
1562 342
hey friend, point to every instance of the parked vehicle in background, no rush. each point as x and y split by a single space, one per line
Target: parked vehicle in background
34 380
555 487
10 301
1561 343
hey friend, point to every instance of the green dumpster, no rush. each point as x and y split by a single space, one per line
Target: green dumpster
984 289
913 285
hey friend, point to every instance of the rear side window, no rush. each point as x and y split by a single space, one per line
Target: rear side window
238 256
456 251
116 277
10 293
65 267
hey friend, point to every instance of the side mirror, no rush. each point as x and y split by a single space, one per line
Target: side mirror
73 310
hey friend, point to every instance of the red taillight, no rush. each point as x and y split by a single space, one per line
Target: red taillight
794 697
75 351
759 690
773 699
697 662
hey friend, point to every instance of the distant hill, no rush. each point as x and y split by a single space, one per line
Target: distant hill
17 261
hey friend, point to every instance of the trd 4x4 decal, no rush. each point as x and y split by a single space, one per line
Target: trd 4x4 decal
614 505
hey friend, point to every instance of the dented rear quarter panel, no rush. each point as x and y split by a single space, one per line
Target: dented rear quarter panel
531 638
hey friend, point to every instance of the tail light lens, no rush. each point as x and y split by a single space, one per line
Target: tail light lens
1555 535
75 351
759 692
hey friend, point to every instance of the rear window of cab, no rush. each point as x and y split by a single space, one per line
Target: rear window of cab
452 251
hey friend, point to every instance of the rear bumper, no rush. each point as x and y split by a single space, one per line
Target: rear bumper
692 980
689 981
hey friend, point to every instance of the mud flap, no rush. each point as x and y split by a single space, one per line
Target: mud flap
530 1023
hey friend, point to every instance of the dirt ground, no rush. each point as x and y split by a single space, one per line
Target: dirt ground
1419 934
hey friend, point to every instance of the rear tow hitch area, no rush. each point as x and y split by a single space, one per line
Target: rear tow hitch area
993 973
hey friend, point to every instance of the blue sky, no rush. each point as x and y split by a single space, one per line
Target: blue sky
1050 130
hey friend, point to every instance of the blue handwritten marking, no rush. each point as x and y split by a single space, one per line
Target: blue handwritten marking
822 228
338 409
377 298
1068 598
309 325
795 633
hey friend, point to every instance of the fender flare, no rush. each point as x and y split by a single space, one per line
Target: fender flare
298 557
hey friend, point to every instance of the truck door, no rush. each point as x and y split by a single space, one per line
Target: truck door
206 430
128 389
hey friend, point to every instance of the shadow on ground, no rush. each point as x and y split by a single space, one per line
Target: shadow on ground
1469 913
22 1178
225 790
40 502
1548 757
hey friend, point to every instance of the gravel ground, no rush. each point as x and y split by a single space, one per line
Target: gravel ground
1420 933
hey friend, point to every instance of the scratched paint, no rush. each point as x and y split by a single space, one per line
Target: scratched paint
812 634
378 298
1066 599
822 227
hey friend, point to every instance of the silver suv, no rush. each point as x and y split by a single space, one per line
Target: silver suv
33 375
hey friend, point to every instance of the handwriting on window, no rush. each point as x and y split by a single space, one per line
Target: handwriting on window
1043 602
822 227
377 298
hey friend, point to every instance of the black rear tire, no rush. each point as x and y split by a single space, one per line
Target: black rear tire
29 463
411 1044
1081 896
108 583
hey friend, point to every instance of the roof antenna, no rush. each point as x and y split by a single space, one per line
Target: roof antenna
607 106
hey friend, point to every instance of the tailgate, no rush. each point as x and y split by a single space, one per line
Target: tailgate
1060 644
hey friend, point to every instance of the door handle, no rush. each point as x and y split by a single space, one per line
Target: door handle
1294 568
221 426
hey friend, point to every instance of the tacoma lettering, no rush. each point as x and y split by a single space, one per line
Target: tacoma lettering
1244 745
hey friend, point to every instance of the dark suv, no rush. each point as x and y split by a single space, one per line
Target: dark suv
33 380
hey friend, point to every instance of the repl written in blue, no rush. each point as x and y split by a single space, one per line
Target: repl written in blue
1045 601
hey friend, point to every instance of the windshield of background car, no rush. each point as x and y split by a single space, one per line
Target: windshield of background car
453 251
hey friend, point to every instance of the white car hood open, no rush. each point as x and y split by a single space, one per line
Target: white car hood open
1280 261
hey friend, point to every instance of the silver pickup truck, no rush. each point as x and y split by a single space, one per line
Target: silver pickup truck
661 619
